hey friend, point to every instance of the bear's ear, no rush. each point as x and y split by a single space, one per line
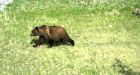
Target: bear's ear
36 28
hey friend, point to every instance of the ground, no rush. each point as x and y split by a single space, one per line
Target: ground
106 35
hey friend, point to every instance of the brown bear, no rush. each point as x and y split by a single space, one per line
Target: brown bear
51 35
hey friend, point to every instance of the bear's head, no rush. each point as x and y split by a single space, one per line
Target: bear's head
36 31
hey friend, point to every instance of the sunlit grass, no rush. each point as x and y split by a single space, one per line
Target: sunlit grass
103 31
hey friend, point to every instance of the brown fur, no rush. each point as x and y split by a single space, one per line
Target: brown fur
51 34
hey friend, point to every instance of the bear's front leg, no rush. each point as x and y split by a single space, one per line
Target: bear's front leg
39 42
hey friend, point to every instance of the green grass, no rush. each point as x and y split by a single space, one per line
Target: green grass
106 35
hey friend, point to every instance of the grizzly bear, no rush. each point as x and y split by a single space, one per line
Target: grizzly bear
51 35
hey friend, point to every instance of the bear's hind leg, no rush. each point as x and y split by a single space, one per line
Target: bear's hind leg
72 42
68 40
50 43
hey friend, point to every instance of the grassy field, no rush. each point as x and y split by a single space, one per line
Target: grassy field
106 35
